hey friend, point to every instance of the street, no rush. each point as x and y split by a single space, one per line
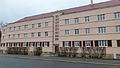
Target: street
8 62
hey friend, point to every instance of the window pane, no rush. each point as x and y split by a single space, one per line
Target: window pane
87 30
87 19
118 28
101 17
117 15
46 33
88 43
39 34
66 21
76 31
76 20
101 29
66 32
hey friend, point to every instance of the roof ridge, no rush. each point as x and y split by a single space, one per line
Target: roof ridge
70 10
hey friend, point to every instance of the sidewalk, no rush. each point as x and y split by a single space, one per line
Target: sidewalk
66 59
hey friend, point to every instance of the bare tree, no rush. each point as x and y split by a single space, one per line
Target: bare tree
1 27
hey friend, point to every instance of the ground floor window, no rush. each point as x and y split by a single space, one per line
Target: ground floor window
32 44
25 44
12 44
38 44
76 43
46 44
87 43
67 44
102 43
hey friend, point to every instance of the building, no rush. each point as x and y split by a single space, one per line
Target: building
94 25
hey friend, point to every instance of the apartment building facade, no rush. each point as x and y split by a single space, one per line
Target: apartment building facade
94 25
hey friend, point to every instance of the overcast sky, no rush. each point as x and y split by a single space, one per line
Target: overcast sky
13 10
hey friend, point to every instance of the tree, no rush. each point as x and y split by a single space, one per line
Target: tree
1 26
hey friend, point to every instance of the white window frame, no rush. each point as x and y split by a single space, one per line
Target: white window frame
67 21
32 35
38 44
101 30
87 19
118 28
66 43
117 15
45 44
25 35
46 34
14 35
18 35
101 17
77 31
46 24
76 43
87 30
87 43
66 32
33 25
25 44
25 27
76 20
102 43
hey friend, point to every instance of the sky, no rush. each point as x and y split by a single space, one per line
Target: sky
13 10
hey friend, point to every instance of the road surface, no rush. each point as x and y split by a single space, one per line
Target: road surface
8 62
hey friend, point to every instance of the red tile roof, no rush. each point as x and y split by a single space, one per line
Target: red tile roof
71 10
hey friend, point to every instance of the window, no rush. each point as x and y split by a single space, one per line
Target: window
66 32
25 35
76 43
46 34
9 36
76 31
102 43
88 43
101 17
118 28
32 34
18 35
117 15
87 30
46 24
67 44
13 35
19 27
38 44
101 29
39 24
39 34
45 44
25 44
25 26
33 25
76 20
14 28
66 21
10 28
87 19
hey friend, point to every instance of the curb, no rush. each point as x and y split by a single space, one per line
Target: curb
80 62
